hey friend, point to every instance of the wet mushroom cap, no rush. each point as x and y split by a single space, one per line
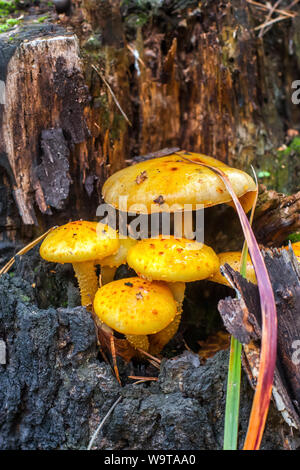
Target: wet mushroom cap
233 258
79 241
172 259
134 306
155 185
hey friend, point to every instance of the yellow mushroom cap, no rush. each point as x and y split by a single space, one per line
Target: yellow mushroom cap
233 258
134 306
115 260
172 259
79 241
155 184
296 249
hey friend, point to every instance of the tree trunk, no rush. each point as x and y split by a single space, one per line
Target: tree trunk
112 82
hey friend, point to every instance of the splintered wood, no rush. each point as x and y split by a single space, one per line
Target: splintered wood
242 318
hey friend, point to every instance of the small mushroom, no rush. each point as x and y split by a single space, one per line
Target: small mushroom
175 261
233 258
81 243
110 263
135 307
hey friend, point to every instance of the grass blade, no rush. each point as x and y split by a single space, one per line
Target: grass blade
233 396
262 396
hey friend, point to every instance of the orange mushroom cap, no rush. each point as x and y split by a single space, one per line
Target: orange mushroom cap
233 258
134 306
79 241
155 185
172 259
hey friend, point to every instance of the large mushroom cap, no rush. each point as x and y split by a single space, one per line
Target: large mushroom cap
172 259
134 306
79 241
153 185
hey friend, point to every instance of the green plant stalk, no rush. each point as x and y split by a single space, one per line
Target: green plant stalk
233 396
234 373
234 381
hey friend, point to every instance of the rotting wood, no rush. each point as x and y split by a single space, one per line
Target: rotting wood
40 65
194 77
242 318
276 216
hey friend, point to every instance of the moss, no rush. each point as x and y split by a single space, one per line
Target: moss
8 24
293 237
7 7
41 19
281 171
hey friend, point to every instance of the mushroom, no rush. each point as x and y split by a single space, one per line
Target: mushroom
81 243
135 307
233 258
110 263
175 261
158 183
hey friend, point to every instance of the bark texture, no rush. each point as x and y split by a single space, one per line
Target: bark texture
185 75
54 391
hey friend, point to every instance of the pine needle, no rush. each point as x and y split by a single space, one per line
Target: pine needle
102 423
24 250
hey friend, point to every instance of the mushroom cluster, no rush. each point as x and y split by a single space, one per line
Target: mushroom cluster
147 308
165 185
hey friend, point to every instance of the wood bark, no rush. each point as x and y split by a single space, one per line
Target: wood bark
194 77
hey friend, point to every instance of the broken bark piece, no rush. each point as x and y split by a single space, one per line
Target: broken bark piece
242 318
276 216
44 88
53 173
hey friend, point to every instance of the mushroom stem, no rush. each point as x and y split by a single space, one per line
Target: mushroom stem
139 341
178 290
160 339
107 274
87 280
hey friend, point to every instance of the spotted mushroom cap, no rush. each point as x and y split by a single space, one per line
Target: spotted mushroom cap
296 248
79 241
233 258
172 259
157 184
135 306
115 260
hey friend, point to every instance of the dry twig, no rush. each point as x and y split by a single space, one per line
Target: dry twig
112 93
102 422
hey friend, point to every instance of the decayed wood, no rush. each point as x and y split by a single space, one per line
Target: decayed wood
276 216
40 67
242 318
192 77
